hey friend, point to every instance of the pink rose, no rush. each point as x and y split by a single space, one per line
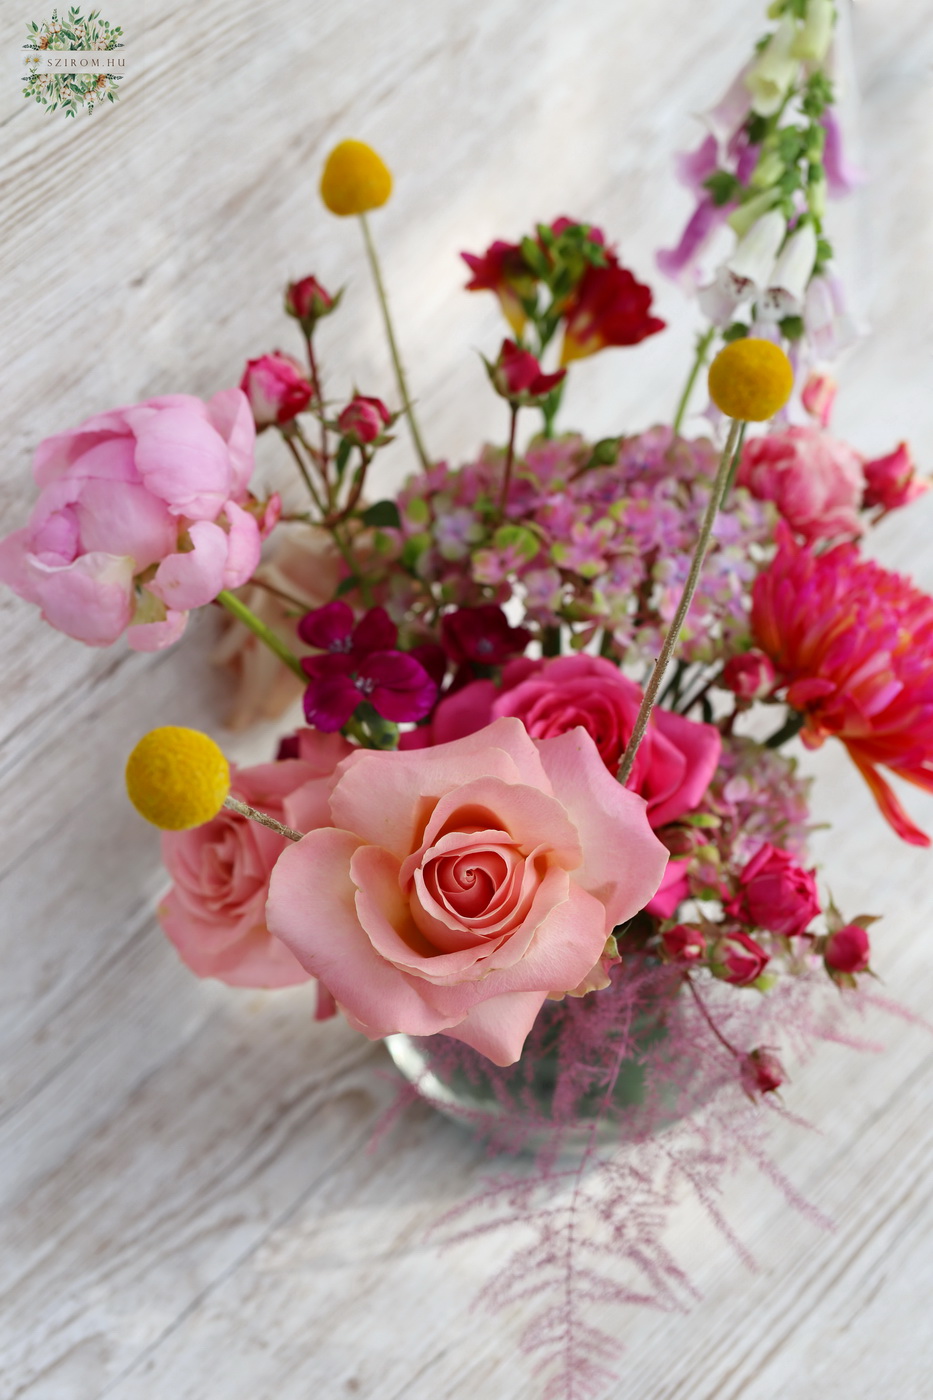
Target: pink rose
775 893
138 520
738 959
847 950
761 1072
684 943
277 389
892 481
215 911
364 419
815 481
677 757
749 675
454 887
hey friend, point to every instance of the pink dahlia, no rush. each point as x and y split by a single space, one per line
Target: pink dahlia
853 644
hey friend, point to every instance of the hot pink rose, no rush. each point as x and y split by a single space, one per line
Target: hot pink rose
138 520
364 419
738 959
677 757
815 481
684 943
277 389
848 950
775 893
456 886
215 911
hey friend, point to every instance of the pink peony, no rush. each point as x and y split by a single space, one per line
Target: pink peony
139 519
815 481
215 911
775 893
453 888
677 757
277 389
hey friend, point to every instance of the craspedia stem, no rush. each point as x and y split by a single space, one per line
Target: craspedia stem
243 809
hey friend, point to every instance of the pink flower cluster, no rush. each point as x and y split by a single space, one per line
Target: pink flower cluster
141 517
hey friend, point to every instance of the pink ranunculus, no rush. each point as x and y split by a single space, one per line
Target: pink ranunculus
815 481
215 911
277 388
775 893
139 519
456 886
677 757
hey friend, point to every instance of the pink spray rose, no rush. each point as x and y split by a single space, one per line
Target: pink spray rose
761 1072
364 419
277 389
677 757
892 481
215 911
454 887
140 518
738 959
815 481
749 675
847 950
775 893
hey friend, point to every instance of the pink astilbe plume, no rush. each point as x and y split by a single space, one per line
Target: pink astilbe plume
853 643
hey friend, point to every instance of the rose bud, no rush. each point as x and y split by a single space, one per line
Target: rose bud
892 481
762 1073
276 388
749 676
683 944
847 950
308 301
775 893
518 376
818 395
738 959
364 420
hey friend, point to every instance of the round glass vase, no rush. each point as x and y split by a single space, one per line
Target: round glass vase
600 1069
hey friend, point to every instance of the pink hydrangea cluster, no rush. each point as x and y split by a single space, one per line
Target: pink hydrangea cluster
593 538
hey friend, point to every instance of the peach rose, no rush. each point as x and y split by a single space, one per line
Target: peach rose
455 887
215 912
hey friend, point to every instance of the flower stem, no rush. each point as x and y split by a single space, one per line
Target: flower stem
703 344
393 347
686 598
319 394
235 805
788 730
509 459
265 634
708 1018
289 440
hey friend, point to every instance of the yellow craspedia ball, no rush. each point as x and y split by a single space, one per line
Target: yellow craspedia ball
355 179
750 379
177 778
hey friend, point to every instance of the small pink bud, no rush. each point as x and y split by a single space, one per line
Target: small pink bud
518 376
364 419
308 301
276 388
749 675
684 944
762 1073
738 959
818 396
892 481
847 950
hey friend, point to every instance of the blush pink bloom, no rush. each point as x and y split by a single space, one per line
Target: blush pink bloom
853 644
457 886
775 893
215 911
815 481
139 519
277 388
677 757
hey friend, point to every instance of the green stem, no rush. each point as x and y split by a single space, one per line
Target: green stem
265 634
393 347
788 730
686 598
703 344
289 440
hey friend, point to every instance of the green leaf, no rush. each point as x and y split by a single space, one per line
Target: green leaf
343 457
792 327
737 331
723 186
535 258
347 585
382 513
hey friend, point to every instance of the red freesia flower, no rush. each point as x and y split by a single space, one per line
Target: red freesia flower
503 270
853 643
609 307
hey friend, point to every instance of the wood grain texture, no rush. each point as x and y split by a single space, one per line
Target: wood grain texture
188 1206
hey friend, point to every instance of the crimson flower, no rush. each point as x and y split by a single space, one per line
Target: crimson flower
308 301
761 1072
482 635
608 307
359 663
364 419
738 959
503 270
853 644
518 376
847 950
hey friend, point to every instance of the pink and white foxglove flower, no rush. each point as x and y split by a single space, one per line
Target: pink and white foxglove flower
746 274
787 285
774 70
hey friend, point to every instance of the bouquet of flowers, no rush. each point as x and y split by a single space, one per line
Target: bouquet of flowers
539 829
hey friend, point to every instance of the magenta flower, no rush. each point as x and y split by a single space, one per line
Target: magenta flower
738 959
775 893
364 419
308 301
503 270
847 950
482 635
360 663
892 481
518 376
277 389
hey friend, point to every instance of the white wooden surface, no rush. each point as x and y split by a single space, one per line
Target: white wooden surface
188 1206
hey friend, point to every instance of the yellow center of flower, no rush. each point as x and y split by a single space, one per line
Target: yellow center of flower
750 380
177 778
355 179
